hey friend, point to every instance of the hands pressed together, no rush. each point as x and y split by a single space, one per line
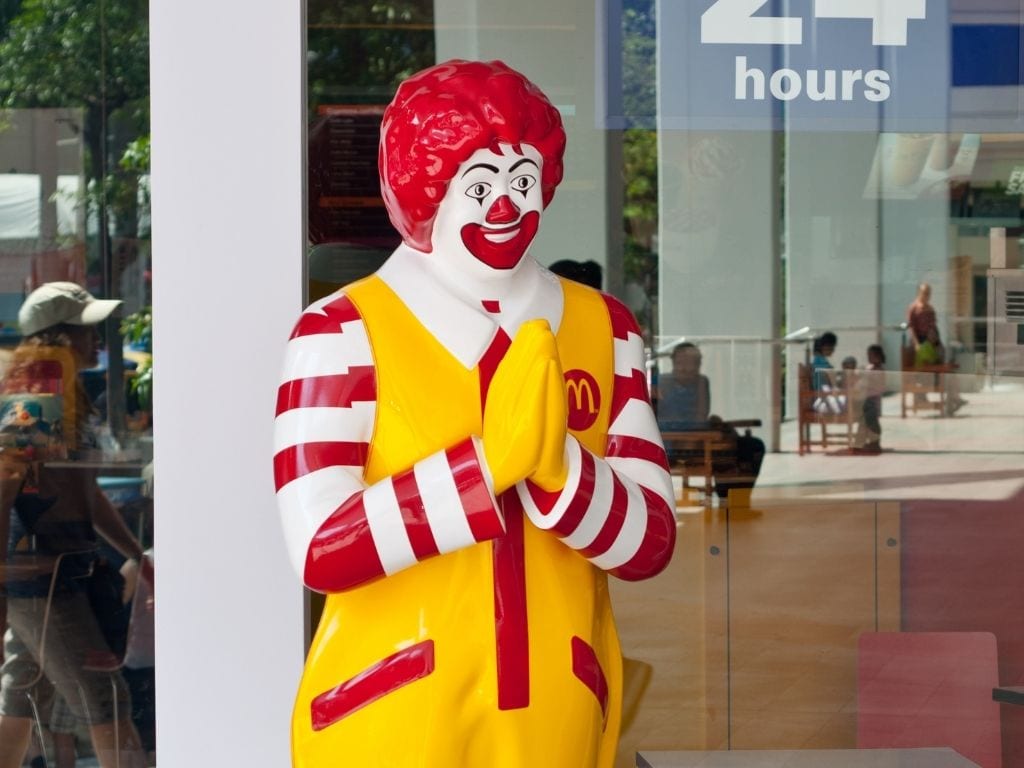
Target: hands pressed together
525 418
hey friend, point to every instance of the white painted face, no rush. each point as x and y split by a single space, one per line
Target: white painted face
491 211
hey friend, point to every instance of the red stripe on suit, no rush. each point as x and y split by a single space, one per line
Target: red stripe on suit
358 385
629 388
328 319
414 515
587 669
577 509
343 555
473 493
637 448
623 322
298 460
613 523
512 641
658 542
398 670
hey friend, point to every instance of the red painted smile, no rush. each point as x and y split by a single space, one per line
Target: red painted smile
501 247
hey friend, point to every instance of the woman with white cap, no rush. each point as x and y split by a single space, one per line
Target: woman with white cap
54 640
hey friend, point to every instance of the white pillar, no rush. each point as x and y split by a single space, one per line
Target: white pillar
228 235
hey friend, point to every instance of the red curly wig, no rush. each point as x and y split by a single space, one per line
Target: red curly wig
442 115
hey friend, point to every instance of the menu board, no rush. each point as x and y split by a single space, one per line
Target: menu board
345 203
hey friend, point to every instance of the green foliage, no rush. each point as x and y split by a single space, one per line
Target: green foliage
137 329
640 155
8 10
141 384
640 209
136 156
76 53
639 82
93 55
358 52
123 196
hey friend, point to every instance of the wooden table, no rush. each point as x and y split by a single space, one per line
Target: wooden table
704 443
808 758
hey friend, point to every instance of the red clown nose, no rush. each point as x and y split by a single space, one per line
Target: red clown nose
503 211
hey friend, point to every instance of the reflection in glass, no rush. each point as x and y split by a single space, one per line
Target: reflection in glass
76 404
749 245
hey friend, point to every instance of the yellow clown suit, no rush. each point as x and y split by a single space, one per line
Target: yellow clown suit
460 462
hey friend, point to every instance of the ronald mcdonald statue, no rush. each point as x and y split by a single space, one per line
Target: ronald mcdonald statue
465 449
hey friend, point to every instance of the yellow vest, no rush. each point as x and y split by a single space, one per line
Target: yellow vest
426 402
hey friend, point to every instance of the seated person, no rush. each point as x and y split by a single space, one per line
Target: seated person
684 397
684 403
826 379
824 346
931 352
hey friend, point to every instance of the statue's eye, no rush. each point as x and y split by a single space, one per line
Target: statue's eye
523 183
479 191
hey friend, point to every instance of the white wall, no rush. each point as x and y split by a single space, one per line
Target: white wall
833 244
228 126
717 231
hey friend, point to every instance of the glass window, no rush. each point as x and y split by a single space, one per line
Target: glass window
814 212
76 385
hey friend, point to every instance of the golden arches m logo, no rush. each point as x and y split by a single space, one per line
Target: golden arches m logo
584 399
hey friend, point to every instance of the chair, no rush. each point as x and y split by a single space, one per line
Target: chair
836 424
698 447
919 382
929 689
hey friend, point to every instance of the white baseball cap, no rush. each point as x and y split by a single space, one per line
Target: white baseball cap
55 303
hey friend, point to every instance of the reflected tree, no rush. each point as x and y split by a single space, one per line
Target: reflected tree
358 52
94 55
82 53
640 159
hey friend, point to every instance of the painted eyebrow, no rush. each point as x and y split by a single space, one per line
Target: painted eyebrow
491 168
524 160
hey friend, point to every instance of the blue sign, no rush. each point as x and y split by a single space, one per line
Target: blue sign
872 65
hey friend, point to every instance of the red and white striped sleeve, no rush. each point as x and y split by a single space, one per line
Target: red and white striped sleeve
340 532
619 511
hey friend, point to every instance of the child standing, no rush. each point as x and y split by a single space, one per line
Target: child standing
869 428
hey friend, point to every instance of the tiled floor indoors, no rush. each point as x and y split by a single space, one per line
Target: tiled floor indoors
977 454
749 638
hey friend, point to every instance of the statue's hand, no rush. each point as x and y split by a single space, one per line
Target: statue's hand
551 470
525 414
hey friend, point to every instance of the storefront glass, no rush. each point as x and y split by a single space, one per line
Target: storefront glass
822 203
77 385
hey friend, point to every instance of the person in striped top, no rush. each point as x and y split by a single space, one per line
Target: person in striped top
464 449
